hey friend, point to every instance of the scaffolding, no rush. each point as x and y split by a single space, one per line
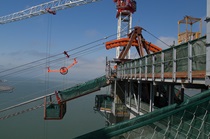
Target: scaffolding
188 34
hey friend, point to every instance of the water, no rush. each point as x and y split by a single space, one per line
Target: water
79 119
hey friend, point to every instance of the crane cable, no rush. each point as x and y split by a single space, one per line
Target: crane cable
47 76
156 37
55 55
52 56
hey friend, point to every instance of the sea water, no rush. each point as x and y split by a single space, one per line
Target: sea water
80 117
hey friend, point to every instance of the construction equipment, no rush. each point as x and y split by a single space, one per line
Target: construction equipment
188 34
56 110
52 110
125 9
125 6
63 70
135 38
48 7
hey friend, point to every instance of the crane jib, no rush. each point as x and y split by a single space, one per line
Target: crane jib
43 8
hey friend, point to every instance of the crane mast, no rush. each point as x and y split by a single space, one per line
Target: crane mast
48 7
125 9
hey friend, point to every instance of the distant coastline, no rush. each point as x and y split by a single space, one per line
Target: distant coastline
6 89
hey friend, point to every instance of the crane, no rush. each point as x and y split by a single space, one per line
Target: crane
48 7
45 8
125 9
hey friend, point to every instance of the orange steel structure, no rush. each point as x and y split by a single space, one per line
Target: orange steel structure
64 70
136 39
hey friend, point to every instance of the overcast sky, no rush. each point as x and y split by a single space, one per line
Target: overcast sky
35 38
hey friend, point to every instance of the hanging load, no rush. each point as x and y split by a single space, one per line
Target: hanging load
54 111
64 70
103 103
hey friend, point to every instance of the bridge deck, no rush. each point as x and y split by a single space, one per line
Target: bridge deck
184 63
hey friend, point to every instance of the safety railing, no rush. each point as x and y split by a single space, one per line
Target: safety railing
185 63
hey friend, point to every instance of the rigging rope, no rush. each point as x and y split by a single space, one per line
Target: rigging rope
156 37
21 112
37 61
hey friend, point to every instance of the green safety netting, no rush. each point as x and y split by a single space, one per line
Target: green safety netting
198 57
83 89
190 119
55 111
103 101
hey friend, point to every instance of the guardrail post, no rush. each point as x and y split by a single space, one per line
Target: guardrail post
174 65
189 71
162 66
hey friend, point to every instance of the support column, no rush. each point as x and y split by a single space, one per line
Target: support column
115 97
182 94
139 95
151 102
130 92
126 91
170 94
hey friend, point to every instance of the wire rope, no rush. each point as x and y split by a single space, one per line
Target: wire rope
156 37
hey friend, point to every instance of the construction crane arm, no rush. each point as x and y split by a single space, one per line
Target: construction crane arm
48 7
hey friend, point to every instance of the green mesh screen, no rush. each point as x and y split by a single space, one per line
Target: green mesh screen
83 89
158 62
55 111
198 58
182 57
191 119
103 101
199 55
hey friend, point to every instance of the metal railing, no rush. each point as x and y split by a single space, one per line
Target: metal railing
185 63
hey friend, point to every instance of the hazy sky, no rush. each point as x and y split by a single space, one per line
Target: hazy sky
29 40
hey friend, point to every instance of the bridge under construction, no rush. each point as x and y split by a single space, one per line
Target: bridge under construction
147 97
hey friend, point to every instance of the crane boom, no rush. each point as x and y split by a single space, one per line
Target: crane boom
54 5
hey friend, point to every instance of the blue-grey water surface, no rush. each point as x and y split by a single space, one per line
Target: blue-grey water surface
79 119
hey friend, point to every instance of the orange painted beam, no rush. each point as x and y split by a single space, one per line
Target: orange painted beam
124 42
